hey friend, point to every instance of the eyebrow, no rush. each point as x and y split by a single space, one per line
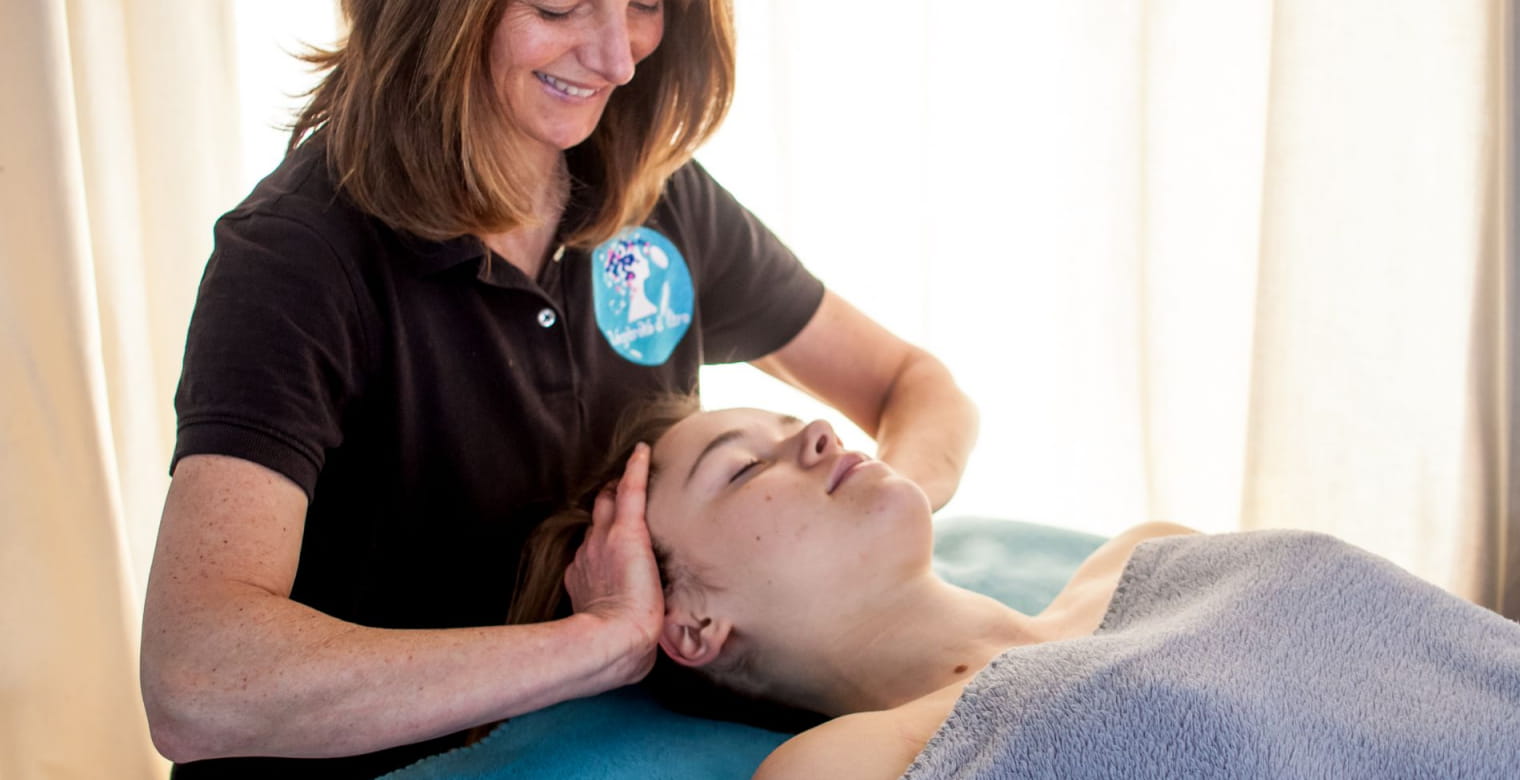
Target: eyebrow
727 437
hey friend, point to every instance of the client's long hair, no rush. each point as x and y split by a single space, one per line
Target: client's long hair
540 595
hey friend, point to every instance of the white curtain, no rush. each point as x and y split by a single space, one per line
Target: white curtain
117 150
1234 265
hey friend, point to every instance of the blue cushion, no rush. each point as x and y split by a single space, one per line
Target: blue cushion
625 734
1023 565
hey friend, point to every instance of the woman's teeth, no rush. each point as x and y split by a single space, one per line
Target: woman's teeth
565 87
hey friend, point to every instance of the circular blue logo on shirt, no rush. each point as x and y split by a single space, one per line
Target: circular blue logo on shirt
643 295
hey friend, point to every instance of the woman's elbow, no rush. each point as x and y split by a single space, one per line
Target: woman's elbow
171 741
170 733
181 720
170 724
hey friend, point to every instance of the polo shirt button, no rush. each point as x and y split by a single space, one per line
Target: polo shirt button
547 318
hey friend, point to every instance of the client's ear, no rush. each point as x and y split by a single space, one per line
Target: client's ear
693 640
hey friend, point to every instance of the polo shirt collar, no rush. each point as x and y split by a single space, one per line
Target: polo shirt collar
431 257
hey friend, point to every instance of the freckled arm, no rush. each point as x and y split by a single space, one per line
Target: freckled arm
231 666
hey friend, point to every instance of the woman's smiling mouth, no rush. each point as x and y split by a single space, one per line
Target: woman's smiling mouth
564 87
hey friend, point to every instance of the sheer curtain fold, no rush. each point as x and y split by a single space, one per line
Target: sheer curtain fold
1206 73
1502 577
117 150
1372 273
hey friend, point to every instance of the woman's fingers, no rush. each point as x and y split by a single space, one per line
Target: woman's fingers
631 490
602 512
614 575
629 533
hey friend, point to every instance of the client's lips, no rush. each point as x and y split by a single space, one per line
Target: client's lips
843 466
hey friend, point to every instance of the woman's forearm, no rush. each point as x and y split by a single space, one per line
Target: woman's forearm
899 394
246 672
927 427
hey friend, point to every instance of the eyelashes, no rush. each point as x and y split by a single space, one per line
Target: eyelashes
743 470
552 14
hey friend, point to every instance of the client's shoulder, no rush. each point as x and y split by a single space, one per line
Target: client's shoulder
1108 561
1154 530
862 745
1080 605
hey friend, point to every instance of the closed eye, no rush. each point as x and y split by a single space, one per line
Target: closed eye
553 14
741 472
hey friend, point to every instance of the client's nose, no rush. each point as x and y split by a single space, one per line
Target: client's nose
819 443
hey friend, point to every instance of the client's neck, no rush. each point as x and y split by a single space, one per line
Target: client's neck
903 645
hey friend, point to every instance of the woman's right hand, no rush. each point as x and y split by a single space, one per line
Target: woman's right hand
614 577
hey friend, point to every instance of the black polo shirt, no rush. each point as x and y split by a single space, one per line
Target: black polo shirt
433 401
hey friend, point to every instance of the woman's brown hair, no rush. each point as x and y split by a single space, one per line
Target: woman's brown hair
418 137
541 596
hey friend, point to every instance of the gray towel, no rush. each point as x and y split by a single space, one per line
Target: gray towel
1266 654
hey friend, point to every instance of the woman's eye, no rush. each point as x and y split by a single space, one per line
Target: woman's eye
552 13
648 8
742 471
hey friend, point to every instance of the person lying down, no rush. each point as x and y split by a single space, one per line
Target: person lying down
798 572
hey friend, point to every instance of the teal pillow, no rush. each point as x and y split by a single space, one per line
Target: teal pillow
619 734
1023 565
625 734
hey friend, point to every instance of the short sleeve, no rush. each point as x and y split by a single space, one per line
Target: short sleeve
274 350
755 295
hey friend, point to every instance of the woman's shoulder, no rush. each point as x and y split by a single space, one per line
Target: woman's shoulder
1110 559
300 180
297 220
864 745
1085 597
693 194
300 194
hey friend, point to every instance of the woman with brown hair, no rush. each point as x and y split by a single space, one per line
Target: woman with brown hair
486 239
799 573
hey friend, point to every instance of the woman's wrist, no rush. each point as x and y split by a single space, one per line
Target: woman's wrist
621 653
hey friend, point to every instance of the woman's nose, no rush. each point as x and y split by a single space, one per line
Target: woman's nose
608 53
818 443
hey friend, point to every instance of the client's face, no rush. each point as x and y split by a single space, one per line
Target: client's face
775 514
